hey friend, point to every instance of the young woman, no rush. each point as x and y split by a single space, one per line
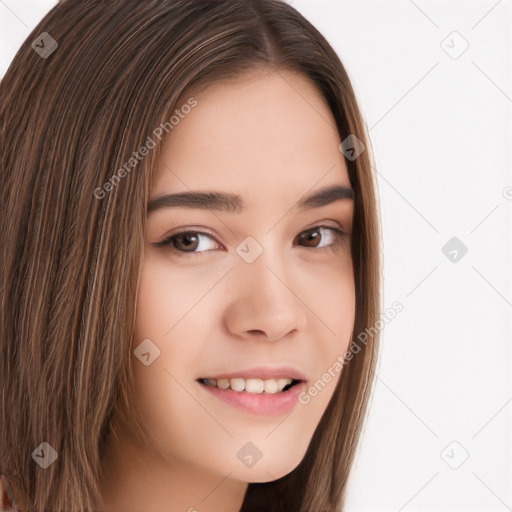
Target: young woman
190 245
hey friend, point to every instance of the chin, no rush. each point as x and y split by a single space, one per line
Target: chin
270 471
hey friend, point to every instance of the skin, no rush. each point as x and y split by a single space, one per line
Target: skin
270 138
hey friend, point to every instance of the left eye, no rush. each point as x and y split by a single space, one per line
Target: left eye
312 235
191 242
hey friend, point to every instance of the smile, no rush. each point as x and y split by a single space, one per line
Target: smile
239 384
260 391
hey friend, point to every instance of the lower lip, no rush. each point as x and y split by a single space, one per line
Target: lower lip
262 404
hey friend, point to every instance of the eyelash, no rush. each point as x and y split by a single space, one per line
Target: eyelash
167 242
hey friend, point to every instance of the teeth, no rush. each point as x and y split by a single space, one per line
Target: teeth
254 386
237 384
281 383
269 386
223 383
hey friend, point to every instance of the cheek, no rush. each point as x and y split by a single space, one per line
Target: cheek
334 306
162 389
156 300
331 298
167 316
168 297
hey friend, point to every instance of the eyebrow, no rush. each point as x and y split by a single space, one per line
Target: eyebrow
233 203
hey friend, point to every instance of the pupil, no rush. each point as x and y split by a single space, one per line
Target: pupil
310 236
190 238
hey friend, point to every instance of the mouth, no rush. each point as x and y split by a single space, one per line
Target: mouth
255 386
260 391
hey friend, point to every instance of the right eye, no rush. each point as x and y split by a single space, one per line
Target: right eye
188 242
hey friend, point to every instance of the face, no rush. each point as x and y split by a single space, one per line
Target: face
246 298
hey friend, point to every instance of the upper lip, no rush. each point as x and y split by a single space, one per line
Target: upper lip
261 372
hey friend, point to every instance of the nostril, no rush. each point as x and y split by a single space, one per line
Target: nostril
256 331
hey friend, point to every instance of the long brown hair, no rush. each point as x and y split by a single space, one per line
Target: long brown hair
70 260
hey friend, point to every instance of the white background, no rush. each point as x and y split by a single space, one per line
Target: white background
441 133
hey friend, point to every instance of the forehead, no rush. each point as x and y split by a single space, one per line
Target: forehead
267 133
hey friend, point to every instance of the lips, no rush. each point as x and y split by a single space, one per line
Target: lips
262 391
256 380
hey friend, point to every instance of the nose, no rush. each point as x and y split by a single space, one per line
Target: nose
267 303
